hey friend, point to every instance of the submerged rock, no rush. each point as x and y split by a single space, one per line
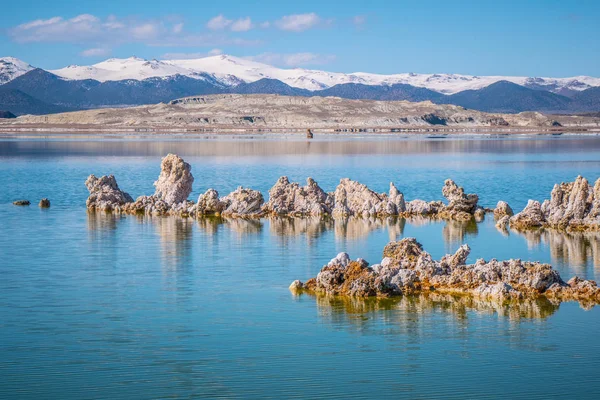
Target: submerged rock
21 202
407 268
287 198
105 194
44 203
174 183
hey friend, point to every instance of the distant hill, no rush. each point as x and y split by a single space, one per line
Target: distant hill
269 86
20 103
397 91
7 114
587 100
89 93
52 89
508 97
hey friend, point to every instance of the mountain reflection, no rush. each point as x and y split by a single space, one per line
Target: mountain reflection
193 145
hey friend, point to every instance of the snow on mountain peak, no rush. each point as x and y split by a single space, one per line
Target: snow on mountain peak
11 67
231 71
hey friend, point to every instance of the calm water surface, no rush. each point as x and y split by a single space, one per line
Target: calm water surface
101 306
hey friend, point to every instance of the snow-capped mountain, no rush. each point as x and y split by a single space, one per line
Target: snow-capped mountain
115 69
231 71
135 81
11 67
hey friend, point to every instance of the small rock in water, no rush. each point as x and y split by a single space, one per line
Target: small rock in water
479 214
296 286
502 209
44 203
21 202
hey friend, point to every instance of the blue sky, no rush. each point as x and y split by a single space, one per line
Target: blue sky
534 38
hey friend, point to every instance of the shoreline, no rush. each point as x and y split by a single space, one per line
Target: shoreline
417 132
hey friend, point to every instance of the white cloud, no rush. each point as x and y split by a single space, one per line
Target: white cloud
94 32
145 31
95 52
298 22
242 25
189 56
265 24
218 23
293 59
359 20
86 28
80 28
40 22
178 28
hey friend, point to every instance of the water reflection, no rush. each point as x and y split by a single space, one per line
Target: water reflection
240 226
358 228
175 239
576 249
455 233
268 145
100 225
408 313
350 228
310 227
570 252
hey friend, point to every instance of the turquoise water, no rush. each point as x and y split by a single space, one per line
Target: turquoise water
101 306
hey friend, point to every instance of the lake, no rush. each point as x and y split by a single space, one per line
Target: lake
105 306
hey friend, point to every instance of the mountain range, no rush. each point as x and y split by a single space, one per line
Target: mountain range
25 89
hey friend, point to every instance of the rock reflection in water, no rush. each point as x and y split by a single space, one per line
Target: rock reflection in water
407 312
101 228
311 227
348 228
455 233
241 226
101 224
577 249
175 239
358 227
